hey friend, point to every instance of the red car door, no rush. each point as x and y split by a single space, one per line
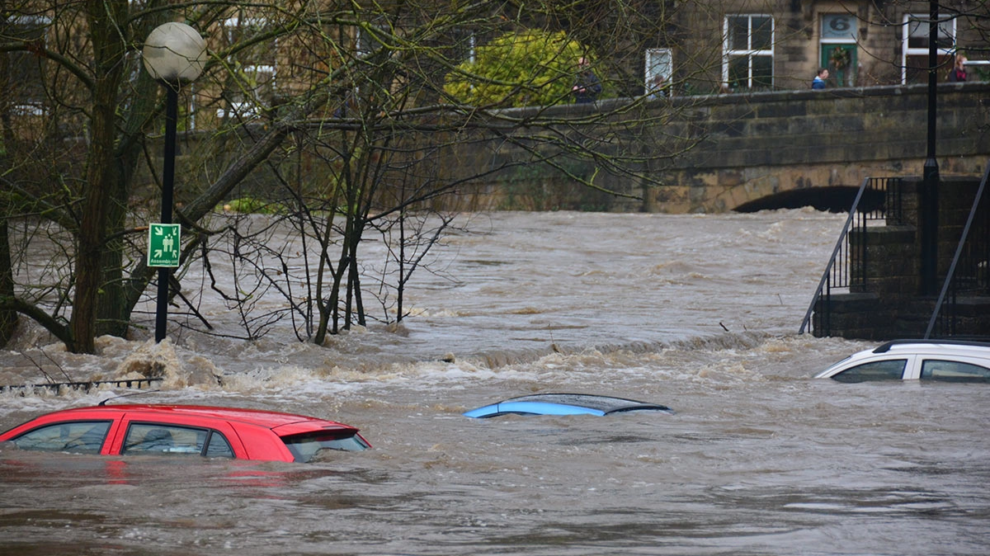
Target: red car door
132 419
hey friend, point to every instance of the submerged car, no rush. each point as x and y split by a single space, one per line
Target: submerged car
214 432
564 404
937 360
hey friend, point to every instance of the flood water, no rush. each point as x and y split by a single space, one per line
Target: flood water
699 313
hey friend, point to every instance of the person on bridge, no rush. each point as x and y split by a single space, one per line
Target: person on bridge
587 87
958 72
819 81
658 87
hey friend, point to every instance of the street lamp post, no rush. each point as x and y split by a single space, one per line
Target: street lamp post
174 54
929 193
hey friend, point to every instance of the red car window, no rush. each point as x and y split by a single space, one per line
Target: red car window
70 436
159 438
305 447
187 434
218 447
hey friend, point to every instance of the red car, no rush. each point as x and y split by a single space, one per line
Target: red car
220 432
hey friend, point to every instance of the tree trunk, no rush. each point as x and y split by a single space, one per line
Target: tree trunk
113 310
8 317
108 50
112 314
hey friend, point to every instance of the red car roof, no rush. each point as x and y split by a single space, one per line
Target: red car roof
268 419
253 434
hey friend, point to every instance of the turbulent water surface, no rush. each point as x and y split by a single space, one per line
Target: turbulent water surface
699 313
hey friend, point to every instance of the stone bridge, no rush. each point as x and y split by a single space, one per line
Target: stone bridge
764 150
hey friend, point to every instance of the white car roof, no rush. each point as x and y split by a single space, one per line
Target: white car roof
905 348
970 349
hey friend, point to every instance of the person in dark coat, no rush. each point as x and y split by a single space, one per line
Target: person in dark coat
587 87
958 72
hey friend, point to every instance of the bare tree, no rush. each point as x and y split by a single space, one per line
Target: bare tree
352 91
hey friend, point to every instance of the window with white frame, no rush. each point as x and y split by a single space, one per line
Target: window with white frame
659 69
26 69
252 68
747 61
914 65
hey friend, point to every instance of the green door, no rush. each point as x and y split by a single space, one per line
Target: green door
840 59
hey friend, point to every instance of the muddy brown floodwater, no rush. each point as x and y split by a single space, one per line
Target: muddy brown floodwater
699 313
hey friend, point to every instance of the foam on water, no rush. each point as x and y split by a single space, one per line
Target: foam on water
696 312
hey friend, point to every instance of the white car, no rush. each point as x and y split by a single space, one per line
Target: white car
943 360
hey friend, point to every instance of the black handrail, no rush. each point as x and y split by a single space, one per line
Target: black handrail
839 268
826 276
85 386
951 280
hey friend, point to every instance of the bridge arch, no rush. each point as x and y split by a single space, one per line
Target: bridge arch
830 198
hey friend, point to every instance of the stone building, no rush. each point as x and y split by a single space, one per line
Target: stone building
695 47
779 44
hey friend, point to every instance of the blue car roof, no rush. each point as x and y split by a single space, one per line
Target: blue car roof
564 404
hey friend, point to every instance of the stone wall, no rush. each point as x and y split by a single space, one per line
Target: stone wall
755 145
740 148
775 142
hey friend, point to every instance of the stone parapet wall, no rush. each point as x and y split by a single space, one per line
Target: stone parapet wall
796 140
755 145
748 147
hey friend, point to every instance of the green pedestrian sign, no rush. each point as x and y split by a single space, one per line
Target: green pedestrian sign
163 245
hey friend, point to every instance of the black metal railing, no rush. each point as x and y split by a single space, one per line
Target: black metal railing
877 199
86 386
968 272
